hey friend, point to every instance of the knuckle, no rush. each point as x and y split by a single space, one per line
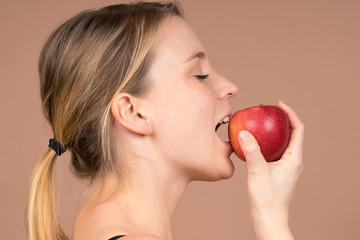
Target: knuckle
257 172
299 166
302 127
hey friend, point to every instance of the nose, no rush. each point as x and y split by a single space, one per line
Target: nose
226 89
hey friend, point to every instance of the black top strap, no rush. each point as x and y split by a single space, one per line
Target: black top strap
116 237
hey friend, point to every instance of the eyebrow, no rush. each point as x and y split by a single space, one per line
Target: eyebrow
199 55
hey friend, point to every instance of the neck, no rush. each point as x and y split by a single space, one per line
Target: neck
147 197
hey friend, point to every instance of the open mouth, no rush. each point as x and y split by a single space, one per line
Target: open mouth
224 121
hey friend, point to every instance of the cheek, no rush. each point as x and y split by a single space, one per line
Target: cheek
185 122
192 110
185 102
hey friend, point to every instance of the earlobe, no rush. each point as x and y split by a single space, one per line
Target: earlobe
126 111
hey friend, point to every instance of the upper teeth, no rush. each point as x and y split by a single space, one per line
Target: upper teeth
225 120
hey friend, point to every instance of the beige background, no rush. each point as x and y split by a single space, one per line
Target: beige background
304 52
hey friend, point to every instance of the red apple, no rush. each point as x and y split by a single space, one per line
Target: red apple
268 124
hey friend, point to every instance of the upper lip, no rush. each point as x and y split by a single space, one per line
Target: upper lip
228 114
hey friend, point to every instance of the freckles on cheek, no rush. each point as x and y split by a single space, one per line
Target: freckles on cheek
170 107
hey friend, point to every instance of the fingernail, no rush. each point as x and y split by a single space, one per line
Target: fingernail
243 135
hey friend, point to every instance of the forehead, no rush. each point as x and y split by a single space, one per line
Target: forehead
175 41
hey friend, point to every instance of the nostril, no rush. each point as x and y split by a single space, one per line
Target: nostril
227 89
232 94
227 94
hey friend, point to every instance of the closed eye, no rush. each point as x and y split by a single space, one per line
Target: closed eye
202 77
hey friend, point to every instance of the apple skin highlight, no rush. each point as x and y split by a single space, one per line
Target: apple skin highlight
268 124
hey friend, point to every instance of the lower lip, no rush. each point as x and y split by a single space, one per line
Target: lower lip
229 148
226 143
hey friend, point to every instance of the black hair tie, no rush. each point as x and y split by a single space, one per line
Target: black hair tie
56 146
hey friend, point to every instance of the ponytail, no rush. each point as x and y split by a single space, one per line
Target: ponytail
41 221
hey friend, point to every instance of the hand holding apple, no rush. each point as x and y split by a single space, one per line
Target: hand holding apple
271 185
268 124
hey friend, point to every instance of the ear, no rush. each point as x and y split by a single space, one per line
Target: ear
125 109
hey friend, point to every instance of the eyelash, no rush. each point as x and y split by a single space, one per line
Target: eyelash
202 77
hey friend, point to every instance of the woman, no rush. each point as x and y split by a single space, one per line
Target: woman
129 91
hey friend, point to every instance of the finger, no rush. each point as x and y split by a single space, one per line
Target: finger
254 159
297 133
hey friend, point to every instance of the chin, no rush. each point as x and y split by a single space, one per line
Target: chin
227 171
221 172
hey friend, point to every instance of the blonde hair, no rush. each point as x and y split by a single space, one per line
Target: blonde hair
85 62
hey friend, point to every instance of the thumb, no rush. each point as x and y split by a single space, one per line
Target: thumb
255 161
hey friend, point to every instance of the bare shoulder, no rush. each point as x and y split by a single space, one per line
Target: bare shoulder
126 237
140 237
103 222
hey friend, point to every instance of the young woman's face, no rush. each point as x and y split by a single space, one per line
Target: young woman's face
187 100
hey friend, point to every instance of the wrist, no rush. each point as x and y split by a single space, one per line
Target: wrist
270 218
271 226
